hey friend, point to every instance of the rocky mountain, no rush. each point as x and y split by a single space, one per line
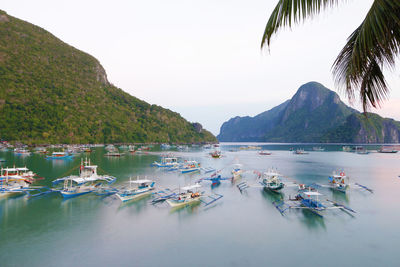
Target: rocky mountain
313 114
50 92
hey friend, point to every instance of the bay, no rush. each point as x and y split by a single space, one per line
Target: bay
239 229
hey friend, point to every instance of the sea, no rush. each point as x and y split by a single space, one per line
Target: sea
240 229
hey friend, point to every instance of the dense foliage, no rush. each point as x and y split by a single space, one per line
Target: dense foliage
51 92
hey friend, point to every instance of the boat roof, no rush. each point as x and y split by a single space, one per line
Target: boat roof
189 187
141 181
16 169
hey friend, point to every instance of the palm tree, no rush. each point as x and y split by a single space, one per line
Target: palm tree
374 45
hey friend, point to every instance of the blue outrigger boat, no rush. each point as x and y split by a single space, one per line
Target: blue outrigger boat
309 200
88 181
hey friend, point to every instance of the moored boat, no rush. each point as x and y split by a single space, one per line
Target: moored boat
60 155
190 196
166 162
137 189
271 181
216 154
87 181
237 171
339 181
190 166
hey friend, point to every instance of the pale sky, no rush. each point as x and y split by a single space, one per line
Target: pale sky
202 58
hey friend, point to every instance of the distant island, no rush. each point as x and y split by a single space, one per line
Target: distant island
50 92
313 114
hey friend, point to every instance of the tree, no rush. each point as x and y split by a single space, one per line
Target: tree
373 46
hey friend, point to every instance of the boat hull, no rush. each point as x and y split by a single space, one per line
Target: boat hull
190 170
133 196
177 204
68 194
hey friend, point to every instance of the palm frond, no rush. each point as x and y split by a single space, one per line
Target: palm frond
375 44
288 12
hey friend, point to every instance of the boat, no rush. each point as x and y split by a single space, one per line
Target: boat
60 155
360 150
318 148
387 150
21 152
300 152
165 146
190 196
113 154
309 200
216 154
346 148
271 181
166 162
237 171
87 181
264 153
137 189
207 146
15 181
339 181
215 179
40 150
131 149
190 166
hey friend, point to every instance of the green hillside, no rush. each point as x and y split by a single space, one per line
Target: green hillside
50 92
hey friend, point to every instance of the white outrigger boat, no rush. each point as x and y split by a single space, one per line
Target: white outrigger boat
87 181
137 189
339 181
190 166
166 162
191 196
271 181
237 171
15 181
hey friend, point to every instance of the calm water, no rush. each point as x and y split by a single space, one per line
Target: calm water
238 230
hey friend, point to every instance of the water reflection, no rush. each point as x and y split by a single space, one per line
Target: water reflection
311 220
339 196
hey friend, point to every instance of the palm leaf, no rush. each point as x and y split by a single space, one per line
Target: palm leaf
288 12
373 46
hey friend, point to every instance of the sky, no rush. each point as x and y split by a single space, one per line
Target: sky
202 58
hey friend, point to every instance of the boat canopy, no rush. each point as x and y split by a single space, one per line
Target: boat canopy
80 180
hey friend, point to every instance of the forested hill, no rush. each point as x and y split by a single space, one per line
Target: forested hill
50 92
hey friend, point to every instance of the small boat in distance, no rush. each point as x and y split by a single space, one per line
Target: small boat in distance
136 190
264 152
216 154
21 152
318 148
60 155
300 152
384 149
